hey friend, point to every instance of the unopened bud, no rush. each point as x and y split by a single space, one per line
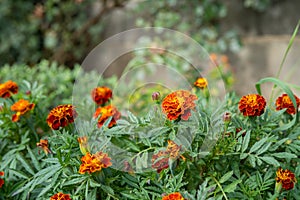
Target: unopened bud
155 96
227 117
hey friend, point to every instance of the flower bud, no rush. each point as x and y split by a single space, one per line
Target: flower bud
156 96
227 117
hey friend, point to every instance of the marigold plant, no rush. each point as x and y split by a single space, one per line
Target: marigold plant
284 101
179 104
173 196
105 113
21 107
252 105
61 116
8 88
60 196
286 178
94 162
101 95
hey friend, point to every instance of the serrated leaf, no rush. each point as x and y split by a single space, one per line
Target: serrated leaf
264 148
226 176
74 181
34 159
19 173
251 159
270 160
246 141
232 186
285 155
257 145
25 164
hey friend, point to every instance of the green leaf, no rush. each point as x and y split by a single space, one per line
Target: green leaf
288 91
246 141
285 155
45 190
34 159
252 159
74 181
270 160
19 173
25 164
225 177
264 148
232 186
257 145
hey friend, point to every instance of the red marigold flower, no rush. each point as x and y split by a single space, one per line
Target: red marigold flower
179 104
252 105
60 196
173 196
83 144
201 83
8 88
284 101
43 144
61 116
286 178
160 161
21 107
106 112
94 162
101 95
1 180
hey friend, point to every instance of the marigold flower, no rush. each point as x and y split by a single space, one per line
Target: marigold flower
173 196
61 116
83 144
94 162
107 112
286 178
60 196
284 101
101 95
160 160
43 144
179 104
21 107
8 88
201 83
252 105
1 180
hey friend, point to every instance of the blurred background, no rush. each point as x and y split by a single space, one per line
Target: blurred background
248 37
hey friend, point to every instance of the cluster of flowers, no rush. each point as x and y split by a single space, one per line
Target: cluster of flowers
22 106
176 106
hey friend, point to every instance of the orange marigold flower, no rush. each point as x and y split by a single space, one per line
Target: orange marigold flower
83 144
106 112
252 105
179 104
8 88
286 178
21 107
173 196
94 162
201 83
1 180
61 116
43 144
284 101
60 196
101 95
